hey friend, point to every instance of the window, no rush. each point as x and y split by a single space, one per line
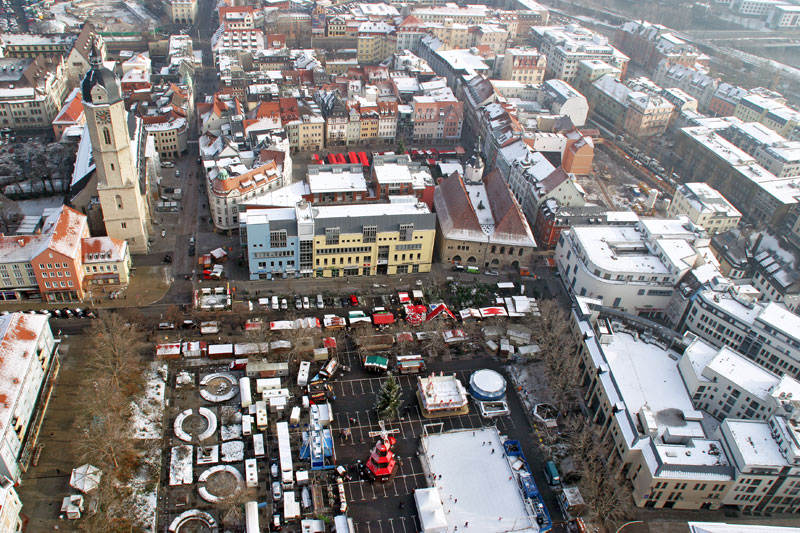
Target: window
118 199
277 239
106 136
331 236
123 225
368 233
406 232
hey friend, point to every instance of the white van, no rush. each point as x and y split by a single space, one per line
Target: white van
320 302
275 305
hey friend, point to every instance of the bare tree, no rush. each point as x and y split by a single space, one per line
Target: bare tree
115 352
433 343
607 496
116 511
232 506
558 350
9 215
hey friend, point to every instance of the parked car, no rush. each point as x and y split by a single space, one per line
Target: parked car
284 304
167 164
275 524
492 273
273 469
306 303
320 302
163 233
277 492
192 250
298 303
353 300
166 325
191 240
177 173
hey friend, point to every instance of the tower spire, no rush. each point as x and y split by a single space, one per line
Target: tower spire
95 57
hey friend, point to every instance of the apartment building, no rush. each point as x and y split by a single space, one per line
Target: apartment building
182 11
32 92
748 462
525 65
10 508
760 196
566 46
493 36
553 218
754 8
724 100
106 264
332 184
632 383
648 44
768 108
166 118
635 107
783 16
590 70
704 206
694 82
396 174
227 40
725 314
376 42
71 114
304 125
235 175
468 14
338 241
529 14
437 119
30 362
480 223
22 45
533 180
771 150
631 268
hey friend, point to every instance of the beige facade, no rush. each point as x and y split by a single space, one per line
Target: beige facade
306 134
170 137
182 11
122 191
106 263
705 207
375 48
10 507
455 36
32 93
525 65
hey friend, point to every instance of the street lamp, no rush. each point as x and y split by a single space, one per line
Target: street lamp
620 528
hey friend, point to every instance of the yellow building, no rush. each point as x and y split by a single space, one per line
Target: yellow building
106 263
454 36
376 42
705 206
369 239
182 11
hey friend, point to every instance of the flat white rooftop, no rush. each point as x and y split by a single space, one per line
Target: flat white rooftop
618 249
755 442
345 181
335 211
483 483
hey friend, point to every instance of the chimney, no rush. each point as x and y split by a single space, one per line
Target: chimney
758 243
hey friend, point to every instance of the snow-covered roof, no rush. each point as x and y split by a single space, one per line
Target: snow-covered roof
752 440
778 317
19 337
489 497
336 178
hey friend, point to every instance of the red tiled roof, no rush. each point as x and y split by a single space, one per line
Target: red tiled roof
71 112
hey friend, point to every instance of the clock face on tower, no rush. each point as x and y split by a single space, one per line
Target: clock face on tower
103 117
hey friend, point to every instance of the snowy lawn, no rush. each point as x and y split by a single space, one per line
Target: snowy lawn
147 411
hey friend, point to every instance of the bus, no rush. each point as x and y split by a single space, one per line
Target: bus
285 455
551 473
302 373
251 517
472 270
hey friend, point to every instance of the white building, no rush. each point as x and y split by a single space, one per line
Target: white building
29 362
783 16
566 46
10 507
693 82
633 269
563 100
725 314
755 8
704 206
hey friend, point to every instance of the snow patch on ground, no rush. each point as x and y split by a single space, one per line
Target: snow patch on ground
144 488
148 410
180 465
231 431
232 451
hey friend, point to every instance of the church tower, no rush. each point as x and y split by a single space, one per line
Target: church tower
123 193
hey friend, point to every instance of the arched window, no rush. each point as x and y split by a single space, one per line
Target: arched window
511 250
471 259
494 248
502 249
118 198
457 258
106 136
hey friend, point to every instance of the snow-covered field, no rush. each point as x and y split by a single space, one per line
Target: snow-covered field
180 465
232 451
148 411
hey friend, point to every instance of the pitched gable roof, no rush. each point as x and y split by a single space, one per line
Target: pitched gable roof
508 217
453 206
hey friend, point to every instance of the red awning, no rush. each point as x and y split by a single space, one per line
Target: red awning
380 319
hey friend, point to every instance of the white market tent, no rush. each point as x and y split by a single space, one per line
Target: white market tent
85 478
431 512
